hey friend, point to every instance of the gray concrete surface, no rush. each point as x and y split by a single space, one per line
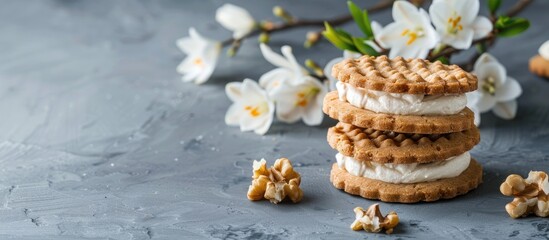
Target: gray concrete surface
99 139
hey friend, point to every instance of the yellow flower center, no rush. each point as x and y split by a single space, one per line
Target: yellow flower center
489 86
304 97
198 62
412 35
257 110
454 24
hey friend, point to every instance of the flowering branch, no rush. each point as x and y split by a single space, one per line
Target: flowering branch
446 30
267 28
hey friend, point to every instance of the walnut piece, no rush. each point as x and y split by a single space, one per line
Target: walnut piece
372 220
530 194
275 183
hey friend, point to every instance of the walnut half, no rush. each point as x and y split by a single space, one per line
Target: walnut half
530 194
275 183
372 220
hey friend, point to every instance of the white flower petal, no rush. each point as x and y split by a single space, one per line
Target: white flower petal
274 58
186 65
483 59
376 27
188 45
506 110
492 70
190 76
232 117
467 9
509 91
249 123
287 52
313 115
485 103
275 78
253 91
403 11
410 51
328 72
462 40
286 109
236 19
473 98
349 54
440 11
391 36
264 127
477 118
233 91
482 27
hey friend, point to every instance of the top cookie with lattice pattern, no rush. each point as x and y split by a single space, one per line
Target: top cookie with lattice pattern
399 75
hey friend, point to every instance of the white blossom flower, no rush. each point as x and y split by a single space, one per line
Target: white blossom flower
252 108
202 55
328 68
288 69
235 19
458 23
411 35
301 100
297 95
497 91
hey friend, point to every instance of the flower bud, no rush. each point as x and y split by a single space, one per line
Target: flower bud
311 39
263 37
282 13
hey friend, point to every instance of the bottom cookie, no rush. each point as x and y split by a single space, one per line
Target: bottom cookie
408 192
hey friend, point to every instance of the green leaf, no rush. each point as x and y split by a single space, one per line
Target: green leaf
508 27
493 5
364 48
344 36
443 60
361 18
369 32
336 40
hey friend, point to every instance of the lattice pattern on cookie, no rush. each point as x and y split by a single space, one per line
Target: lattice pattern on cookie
399 75
367 144
411 192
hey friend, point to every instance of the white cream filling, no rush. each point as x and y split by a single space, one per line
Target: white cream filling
401 104
405 173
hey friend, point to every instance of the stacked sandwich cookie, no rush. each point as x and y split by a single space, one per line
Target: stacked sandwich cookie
404 130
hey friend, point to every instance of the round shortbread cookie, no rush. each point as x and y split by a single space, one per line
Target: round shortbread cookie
367 144
399 75
421 124
408 192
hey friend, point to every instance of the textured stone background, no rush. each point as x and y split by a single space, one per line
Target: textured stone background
99 139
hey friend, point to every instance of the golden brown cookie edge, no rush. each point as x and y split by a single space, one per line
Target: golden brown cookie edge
459 143
424 124
408 193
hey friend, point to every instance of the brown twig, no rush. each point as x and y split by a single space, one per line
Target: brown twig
297 23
